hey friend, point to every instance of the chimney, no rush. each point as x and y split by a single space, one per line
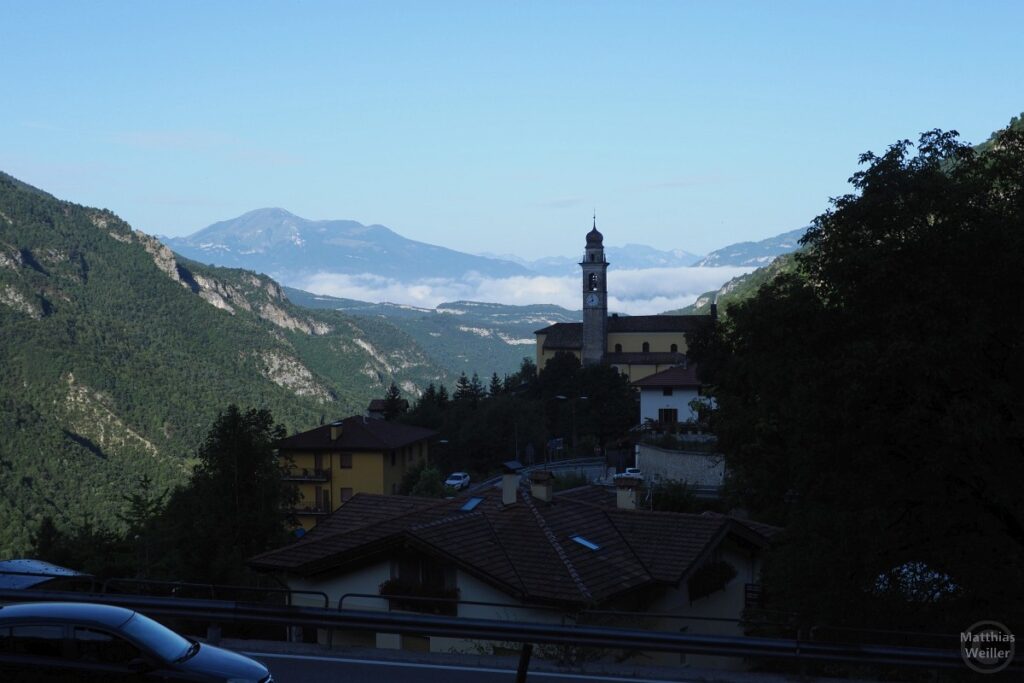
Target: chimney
509 484
542 485
336 428
625 493
509 481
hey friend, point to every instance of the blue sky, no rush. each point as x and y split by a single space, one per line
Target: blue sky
490 126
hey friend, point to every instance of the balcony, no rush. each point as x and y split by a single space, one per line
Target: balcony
307 475
314 510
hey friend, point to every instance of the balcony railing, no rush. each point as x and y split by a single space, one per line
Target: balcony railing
307 475
310 510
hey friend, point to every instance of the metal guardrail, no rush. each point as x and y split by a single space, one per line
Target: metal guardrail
511 631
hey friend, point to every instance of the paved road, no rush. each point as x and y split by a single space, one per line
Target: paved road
325 669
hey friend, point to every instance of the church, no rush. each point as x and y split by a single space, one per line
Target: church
637 345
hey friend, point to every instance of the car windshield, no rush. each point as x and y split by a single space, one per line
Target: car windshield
164 642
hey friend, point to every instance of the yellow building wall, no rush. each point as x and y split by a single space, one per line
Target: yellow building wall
633 342
371 472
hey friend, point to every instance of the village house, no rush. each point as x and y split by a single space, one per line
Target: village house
532 555
332 463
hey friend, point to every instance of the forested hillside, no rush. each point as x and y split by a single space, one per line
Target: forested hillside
461 336
115 358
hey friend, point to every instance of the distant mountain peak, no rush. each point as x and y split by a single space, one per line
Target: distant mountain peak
290 248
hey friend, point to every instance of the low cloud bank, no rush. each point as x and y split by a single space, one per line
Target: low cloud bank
635 292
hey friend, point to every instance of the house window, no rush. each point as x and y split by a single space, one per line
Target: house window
422 577
346 493
668 416
591 257
647 347
667 391
318 461
394 488
323 499
346 461
674 348
618 348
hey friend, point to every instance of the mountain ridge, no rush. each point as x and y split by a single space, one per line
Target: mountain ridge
117 355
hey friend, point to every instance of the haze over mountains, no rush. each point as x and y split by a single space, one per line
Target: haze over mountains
349 260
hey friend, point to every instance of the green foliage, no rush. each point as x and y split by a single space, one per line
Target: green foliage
870 400
430 484
564 482
587 407
673 496
110 370
203 532
394 404
231 509
411 476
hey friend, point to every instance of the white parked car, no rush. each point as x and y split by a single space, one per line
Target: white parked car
457 480
631 473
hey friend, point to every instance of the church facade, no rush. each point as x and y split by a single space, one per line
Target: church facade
638 345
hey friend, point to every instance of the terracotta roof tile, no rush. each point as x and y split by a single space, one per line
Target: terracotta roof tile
357 433
526 549
679 376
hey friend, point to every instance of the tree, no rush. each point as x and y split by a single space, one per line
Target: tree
430 484
496 387
233 507
871 401
394 404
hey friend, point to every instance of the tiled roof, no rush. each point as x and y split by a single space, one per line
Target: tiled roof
357 433
570 335
679 376
657 323
563 336
525 549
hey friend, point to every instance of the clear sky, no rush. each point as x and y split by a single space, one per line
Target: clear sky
491 126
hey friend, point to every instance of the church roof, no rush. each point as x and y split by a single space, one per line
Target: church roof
657 323
570 335
563 336
594 237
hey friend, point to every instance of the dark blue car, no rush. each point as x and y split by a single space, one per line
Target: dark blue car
70 641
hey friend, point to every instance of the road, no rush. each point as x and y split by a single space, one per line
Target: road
325 669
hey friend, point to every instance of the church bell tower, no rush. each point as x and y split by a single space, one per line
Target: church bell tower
595 298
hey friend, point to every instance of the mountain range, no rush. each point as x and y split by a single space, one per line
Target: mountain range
290 249
116 355
758 254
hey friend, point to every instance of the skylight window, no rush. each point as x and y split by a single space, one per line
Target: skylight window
586 543
471 504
